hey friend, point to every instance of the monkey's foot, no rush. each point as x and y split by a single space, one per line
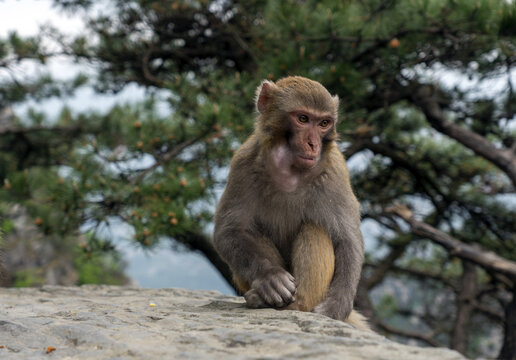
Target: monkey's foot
254 300
296 305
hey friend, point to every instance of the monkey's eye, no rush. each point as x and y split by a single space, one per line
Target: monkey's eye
325 123
302 118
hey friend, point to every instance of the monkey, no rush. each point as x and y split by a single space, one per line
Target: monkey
288 222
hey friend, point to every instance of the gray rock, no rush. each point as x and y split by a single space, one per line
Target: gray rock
108 322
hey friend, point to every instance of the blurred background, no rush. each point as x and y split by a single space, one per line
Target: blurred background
118 120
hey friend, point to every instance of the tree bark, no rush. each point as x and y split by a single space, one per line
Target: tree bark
487 259
508 351
427 338
68 131
465 307
199 242
5 278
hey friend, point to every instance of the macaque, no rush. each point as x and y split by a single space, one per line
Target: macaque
288 223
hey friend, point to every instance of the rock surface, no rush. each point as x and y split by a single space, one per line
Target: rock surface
108 322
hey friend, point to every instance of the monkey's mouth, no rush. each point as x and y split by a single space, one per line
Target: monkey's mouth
306 161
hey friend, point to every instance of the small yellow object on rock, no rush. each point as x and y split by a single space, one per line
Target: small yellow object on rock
152 304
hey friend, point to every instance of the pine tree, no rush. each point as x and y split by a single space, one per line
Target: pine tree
428 114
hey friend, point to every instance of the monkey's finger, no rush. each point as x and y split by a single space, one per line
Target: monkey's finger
271 296
254 300
291 277
291 284
284 291
288 282
286 296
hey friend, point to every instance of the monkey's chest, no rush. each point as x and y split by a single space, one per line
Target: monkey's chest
280 216
285 181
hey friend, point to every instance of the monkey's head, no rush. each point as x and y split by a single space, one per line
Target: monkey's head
300 113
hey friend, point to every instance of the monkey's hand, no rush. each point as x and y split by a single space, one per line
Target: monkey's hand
254 300
338 309
275 287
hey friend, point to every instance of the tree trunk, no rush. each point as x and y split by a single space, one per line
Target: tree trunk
465 307
199 242
508 351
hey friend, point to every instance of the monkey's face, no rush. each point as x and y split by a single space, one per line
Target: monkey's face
299 115
308 128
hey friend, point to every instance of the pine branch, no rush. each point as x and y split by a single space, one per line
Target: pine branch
487 259
419 274
166 157
425 97
427 338
65 130
382 267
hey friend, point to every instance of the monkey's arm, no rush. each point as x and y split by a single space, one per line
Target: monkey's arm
349 256
344 230
254 261
252 257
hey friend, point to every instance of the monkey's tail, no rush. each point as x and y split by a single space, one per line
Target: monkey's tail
358 320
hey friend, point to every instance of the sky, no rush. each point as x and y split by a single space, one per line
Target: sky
161 267
26 16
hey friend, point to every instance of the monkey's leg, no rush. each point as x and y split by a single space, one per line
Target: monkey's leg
313 263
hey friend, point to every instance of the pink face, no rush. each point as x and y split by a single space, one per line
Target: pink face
308 129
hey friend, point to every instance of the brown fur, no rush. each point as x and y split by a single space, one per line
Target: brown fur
290 231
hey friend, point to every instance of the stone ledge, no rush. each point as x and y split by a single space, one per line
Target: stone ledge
109 322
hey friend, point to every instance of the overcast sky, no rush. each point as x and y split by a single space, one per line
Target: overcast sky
26 16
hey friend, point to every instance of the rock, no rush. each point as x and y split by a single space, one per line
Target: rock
109 322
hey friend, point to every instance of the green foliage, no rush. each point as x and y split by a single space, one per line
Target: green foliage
387 306
102 268
29 277
6 227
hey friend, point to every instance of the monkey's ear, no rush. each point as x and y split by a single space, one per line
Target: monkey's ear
336 100
264 95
